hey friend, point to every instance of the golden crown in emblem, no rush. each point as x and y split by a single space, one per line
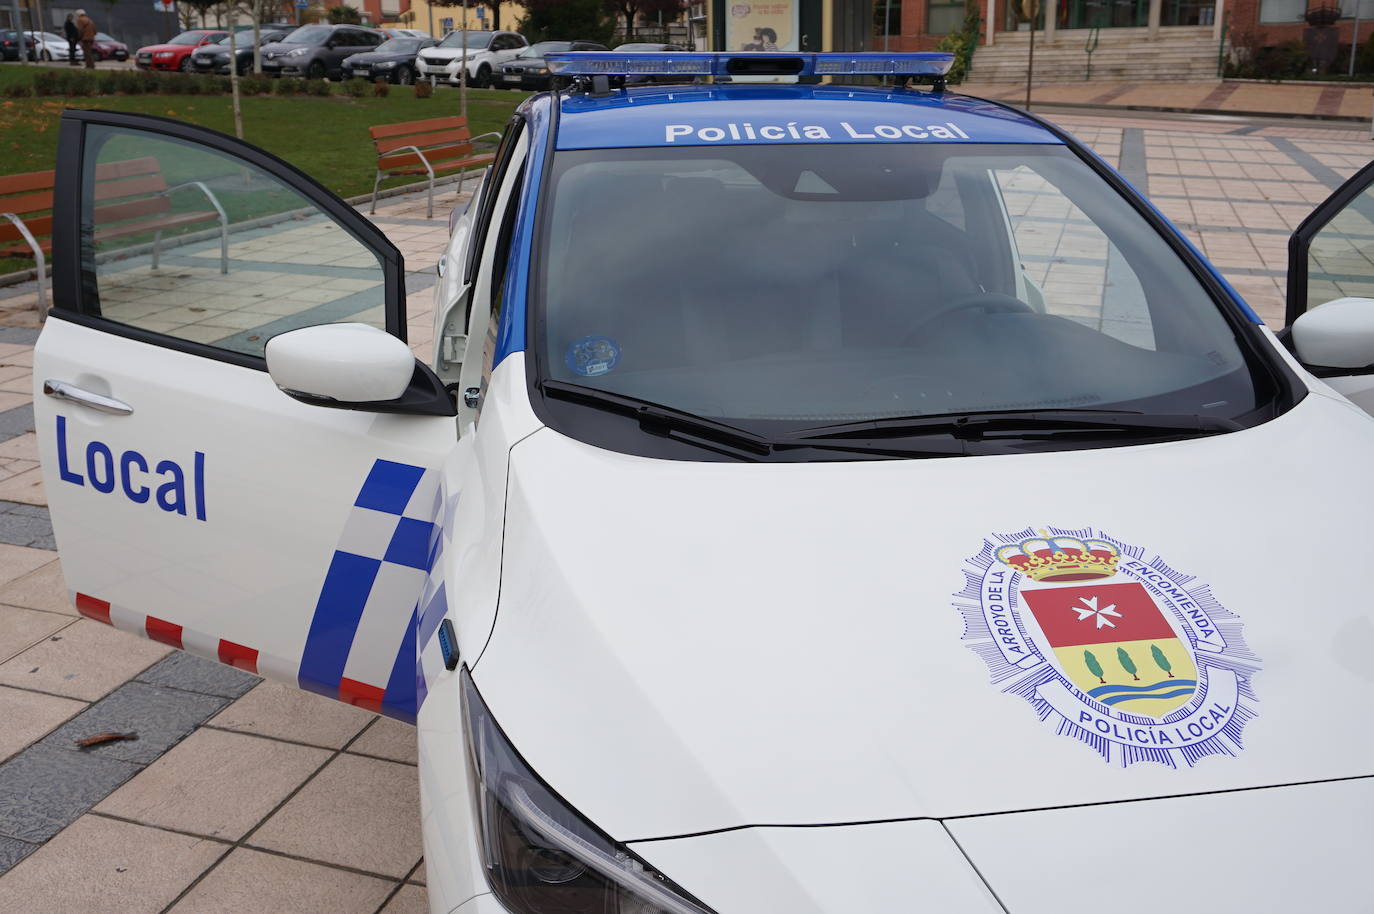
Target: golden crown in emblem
1061 558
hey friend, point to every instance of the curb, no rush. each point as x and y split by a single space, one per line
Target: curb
1282 115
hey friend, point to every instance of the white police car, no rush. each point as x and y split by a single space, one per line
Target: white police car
822 499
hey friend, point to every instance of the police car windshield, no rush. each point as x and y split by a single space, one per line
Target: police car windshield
475 40
788 286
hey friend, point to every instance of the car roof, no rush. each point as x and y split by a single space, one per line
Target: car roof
838 114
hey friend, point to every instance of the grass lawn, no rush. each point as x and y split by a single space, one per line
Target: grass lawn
324 137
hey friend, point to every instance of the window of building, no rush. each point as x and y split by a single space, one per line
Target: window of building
944 17
1282 10
887 17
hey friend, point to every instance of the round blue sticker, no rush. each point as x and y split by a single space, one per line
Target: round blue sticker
592 356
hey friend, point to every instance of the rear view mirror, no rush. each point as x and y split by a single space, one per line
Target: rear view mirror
1336 334
348 363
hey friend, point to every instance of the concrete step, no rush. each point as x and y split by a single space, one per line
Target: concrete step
1176 54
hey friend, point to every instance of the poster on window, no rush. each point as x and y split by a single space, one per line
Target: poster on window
767 26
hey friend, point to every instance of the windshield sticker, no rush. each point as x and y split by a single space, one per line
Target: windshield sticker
592 356
1110 645
793 132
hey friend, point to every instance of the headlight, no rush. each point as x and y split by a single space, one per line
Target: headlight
542 71
297 52
165 54
384 65
539 854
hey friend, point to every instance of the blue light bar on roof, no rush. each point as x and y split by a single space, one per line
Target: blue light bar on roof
749 63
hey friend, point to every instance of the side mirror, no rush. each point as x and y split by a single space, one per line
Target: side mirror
348 363
1337 334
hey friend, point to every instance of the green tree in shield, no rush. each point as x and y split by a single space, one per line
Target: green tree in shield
1093 666
1126 662
1161 661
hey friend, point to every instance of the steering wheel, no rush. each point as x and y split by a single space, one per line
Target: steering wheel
987 302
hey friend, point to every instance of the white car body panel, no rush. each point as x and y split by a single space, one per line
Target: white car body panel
1290 849
445 63
857 869
786 574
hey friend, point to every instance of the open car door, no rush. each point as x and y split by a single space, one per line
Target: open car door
1330 319
282 522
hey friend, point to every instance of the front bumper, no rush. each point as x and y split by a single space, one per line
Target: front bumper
524 80
150 64
443 72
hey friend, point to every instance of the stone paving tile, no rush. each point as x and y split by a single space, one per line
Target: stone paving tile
388 739
358 812
20 629
29 716
101 866
275 710
410 899
162 717
251 881
16 421
25 525
24 487
42 589
42 789
12 851
196 674
85 660
236 780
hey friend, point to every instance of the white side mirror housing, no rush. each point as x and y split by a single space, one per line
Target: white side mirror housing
1336 334
350 363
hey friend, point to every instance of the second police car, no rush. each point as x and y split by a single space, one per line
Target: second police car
820 499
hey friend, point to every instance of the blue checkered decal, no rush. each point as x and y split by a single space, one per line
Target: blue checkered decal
383 584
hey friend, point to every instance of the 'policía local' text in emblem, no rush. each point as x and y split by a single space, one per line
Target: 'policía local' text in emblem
1110 644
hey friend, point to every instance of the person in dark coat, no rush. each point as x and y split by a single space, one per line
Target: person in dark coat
73 36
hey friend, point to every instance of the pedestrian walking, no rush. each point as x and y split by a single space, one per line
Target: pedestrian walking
73 36
85 32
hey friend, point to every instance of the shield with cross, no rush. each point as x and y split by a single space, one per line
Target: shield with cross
1115 645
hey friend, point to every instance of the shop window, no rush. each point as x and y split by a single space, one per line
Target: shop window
887 17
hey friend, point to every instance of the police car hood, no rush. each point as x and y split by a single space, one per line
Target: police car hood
684 647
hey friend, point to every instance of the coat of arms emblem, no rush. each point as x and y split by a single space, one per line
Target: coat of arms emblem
1119 650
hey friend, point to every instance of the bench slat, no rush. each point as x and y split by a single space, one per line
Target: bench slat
130 209
439 154
446 165
129 168
382 131
438 138
29 203
150 225
130 187
10 235
17 184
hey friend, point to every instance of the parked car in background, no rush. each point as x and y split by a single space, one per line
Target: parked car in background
485 51
528 70
48 46
10 41
214 58
318 51
393 59
107 48
175 54
407 33
652 47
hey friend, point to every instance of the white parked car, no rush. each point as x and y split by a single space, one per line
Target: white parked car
820 498
485 52
49 46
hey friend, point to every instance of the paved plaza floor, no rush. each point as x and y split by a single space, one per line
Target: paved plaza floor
245 796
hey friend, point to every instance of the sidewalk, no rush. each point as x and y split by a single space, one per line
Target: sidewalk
1235 97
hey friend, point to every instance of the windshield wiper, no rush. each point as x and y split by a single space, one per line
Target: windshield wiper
658 419
974 426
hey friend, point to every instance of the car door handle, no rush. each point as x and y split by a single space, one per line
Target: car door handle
61 390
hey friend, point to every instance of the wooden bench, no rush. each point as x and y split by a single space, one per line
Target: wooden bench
131 198
428 147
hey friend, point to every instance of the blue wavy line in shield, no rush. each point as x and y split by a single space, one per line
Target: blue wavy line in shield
1167 688
1108 689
